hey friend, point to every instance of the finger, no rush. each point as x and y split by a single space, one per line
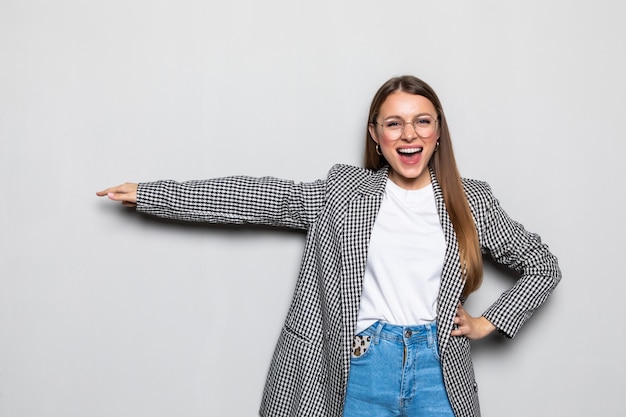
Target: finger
457 332
123 192
108 191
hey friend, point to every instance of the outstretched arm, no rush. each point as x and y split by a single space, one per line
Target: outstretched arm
126 193
231 200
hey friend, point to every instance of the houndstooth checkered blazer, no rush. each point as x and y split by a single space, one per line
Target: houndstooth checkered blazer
309 370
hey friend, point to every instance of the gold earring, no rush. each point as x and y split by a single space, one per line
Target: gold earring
378 150
437 146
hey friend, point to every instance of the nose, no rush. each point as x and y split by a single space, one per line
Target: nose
409 132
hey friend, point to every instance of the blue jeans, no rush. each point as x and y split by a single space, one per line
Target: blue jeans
396 371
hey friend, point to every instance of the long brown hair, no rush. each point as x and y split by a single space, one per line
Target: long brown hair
444 166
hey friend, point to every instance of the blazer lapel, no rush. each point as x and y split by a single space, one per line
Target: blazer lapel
451 281
361 214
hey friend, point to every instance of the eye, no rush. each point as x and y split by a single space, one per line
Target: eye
423 121
392 124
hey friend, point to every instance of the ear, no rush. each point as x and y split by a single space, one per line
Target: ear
372 130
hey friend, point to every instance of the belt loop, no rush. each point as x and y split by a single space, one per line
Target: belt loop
431 334
379 329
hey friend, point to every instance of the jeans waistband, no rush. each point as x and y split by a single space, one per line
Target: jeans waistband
403 334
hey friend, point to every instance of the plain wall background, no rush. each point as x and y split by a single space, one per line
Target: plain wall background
104 312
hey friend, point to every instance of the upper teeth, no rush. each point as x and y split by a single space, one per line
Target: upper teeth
409 150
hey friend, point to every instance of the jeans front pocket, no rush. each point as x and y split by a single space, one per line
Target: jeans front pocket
360 345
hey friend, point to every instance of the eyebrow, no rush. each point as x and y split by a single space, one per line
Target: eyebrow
415 117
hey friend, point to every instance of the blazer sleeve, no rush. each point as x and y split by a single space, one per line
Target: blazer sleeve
234 200
510 244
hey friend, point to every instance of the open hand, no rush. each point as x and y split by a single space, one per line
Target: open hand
126 193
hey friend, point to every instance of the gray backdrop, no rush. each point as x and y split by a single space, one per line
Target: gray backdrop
104 312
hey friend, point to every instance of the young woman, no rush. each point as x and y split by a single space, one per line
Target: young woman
377 326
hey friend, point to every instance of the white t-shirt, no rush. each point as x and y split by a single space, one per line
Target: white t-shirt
404 261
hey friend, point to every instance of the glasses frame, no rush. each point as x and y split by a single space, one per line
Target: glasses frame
412 123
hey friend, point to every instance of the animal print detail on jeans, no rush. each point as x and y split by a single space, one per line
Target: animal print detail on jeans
360 345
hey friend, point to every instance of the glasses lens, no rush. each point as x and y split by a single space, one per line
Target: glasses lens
392 128
424 126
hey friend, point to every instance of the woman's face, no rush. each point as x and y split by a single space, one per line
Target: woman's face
407 149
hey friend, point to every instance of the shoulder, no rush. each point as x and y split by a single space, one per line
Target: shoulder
479 194
349 180
475 187
356 175
339 170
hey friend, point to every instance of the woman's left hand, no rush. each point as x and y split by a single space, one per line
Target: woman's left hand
471 327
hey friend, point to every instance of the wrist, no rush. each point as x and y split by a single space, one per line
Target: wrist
486 326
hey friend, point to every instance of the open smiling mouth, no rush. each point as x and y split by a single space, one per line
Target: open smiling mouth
410 151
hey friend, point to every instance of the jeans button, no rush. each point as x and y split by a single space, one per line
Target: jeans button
408 333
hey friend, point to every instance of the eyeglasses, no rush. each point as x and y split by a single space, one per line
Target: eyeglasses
424 127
